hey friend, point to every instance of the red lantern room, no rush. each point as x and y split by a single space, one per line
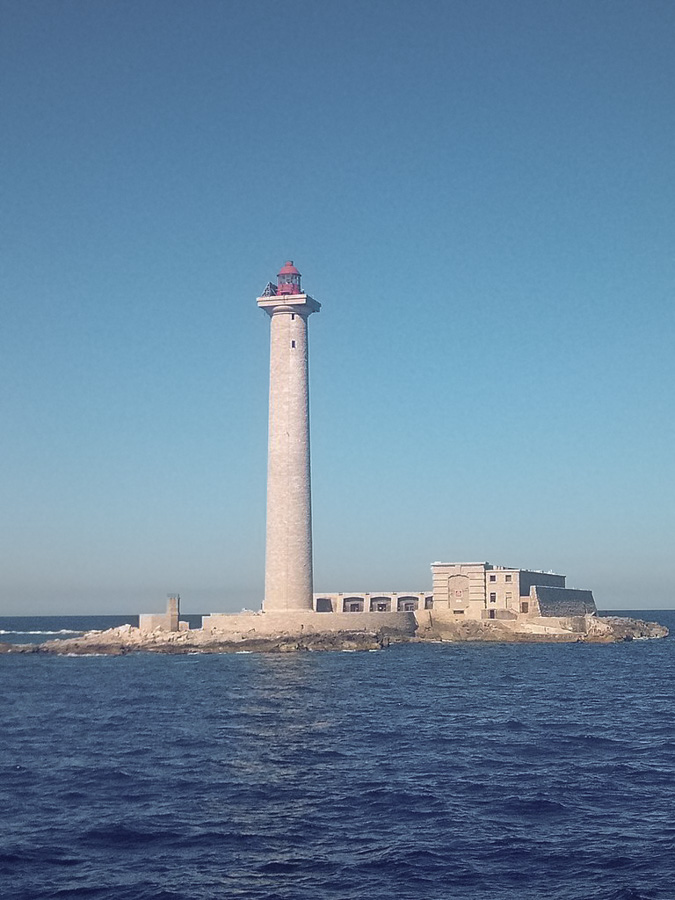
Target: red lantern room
288 280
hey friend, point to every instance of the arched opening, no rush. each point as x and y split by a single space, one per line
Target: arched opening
352 604
380 604
407 604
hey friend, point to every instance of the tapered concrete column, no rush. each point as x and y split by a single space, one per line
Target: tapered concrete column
288 556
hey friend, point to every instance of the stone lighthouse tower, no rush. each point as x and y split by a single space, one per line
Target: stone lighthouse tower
288 556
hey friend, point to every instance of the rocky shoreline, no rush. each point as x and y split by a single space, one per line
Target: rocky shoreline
128 639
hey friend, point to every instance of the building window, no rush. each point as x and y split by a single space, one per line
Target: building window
508 596
493 577
493 598
458 612
508 578
492 613
428 602
292 343
525 606
292 315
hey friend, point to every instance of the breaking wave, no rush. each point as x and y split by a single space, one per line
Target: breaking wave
60 631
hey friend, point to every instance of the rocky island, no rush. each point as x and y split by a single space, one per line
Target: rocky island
130 639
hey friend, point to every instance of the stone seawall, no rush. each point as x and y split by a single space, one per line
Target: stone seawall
300 623
442 625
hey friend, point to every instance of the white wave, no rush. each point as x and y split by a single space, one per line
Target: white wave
60 631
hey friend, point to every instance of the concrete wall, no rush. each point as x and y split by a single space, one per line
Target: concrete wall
443 621
547 601
166 621
301 622
154 622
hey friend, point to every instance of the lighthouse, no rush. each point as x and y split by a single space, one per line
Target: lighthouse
288 551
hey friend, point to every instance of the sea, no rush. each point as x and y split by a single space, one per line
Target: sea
422 772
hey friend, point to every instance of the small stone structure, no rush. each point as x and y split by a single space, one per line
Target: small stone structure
166 621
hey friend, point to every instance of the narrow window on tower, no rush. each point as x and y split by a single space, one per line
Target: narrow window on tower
292 343
292 315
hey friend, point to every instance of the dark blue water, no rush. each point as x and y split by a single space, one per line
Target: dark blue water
425 771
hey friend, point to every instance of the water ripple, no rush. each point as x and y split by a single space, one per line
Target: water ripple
438 772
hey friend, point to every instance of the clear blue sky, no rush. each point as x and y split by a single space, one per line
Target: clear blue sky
482 196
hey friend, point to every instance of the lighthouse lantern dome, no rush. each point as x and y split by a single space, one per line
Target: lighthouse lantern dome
288 279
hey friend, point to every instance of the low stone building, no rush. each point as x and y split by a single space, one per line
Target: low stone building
166 621
473 590
483 591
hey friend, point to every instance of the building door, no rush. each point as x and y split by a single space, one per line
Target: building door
458 591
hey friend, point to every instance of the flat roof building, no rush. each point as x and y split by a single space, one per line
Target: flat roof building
483 591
